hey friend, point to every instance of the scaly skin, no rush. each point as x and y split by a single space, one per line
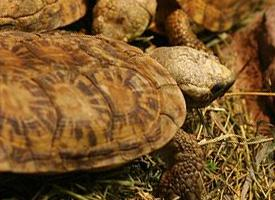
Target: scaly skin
184 176
179 32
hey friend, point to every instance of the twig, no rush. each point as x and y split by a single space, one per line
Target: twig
228 94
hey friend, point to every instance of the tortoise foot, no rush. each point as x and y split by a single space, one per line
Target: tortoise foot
184 177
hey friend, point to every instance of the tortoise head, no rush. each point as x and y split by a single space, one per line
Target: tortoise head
201 77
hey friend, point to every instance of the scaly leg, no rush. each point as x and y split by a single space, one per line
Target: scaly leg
184 177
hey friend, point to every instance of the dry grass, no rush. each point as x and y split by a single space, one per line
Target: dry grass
239 164
239 159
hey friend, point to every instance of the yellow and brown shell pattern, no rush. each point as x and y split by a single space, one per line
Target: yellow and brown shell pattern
217 15
71 102
40 15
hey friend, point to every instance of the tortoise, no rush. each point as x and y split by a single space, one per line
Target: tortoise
126 19
111 17
72 102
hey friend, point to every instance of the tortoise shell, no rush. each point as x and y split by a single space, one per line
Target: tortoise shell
39 15
74 102
217 15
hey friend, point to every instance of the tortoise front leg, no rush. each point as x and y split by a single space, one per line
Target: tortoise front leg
184 176
179 31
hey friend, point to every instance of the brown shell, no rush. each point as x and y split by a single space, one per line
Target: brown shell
217 15
72 102
39 15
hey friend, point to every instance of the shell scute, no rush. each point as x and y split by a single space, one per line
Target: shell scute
84 116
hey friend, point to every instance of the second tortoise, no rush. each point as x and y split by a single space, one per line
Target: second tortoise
126 20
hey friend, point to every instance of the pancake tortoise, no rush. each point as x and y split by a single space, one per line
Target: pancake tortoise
71 102
128 19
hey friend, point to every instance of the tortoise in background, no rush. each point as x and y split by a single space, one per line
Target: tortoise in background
40 15
125 20
71 102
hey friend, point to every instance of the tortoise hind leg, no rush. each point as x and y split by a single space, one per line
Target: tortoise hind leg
184 177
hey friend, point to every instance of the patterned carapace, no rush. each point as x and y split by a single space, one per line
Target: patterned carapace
217 15
40 15
72 102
